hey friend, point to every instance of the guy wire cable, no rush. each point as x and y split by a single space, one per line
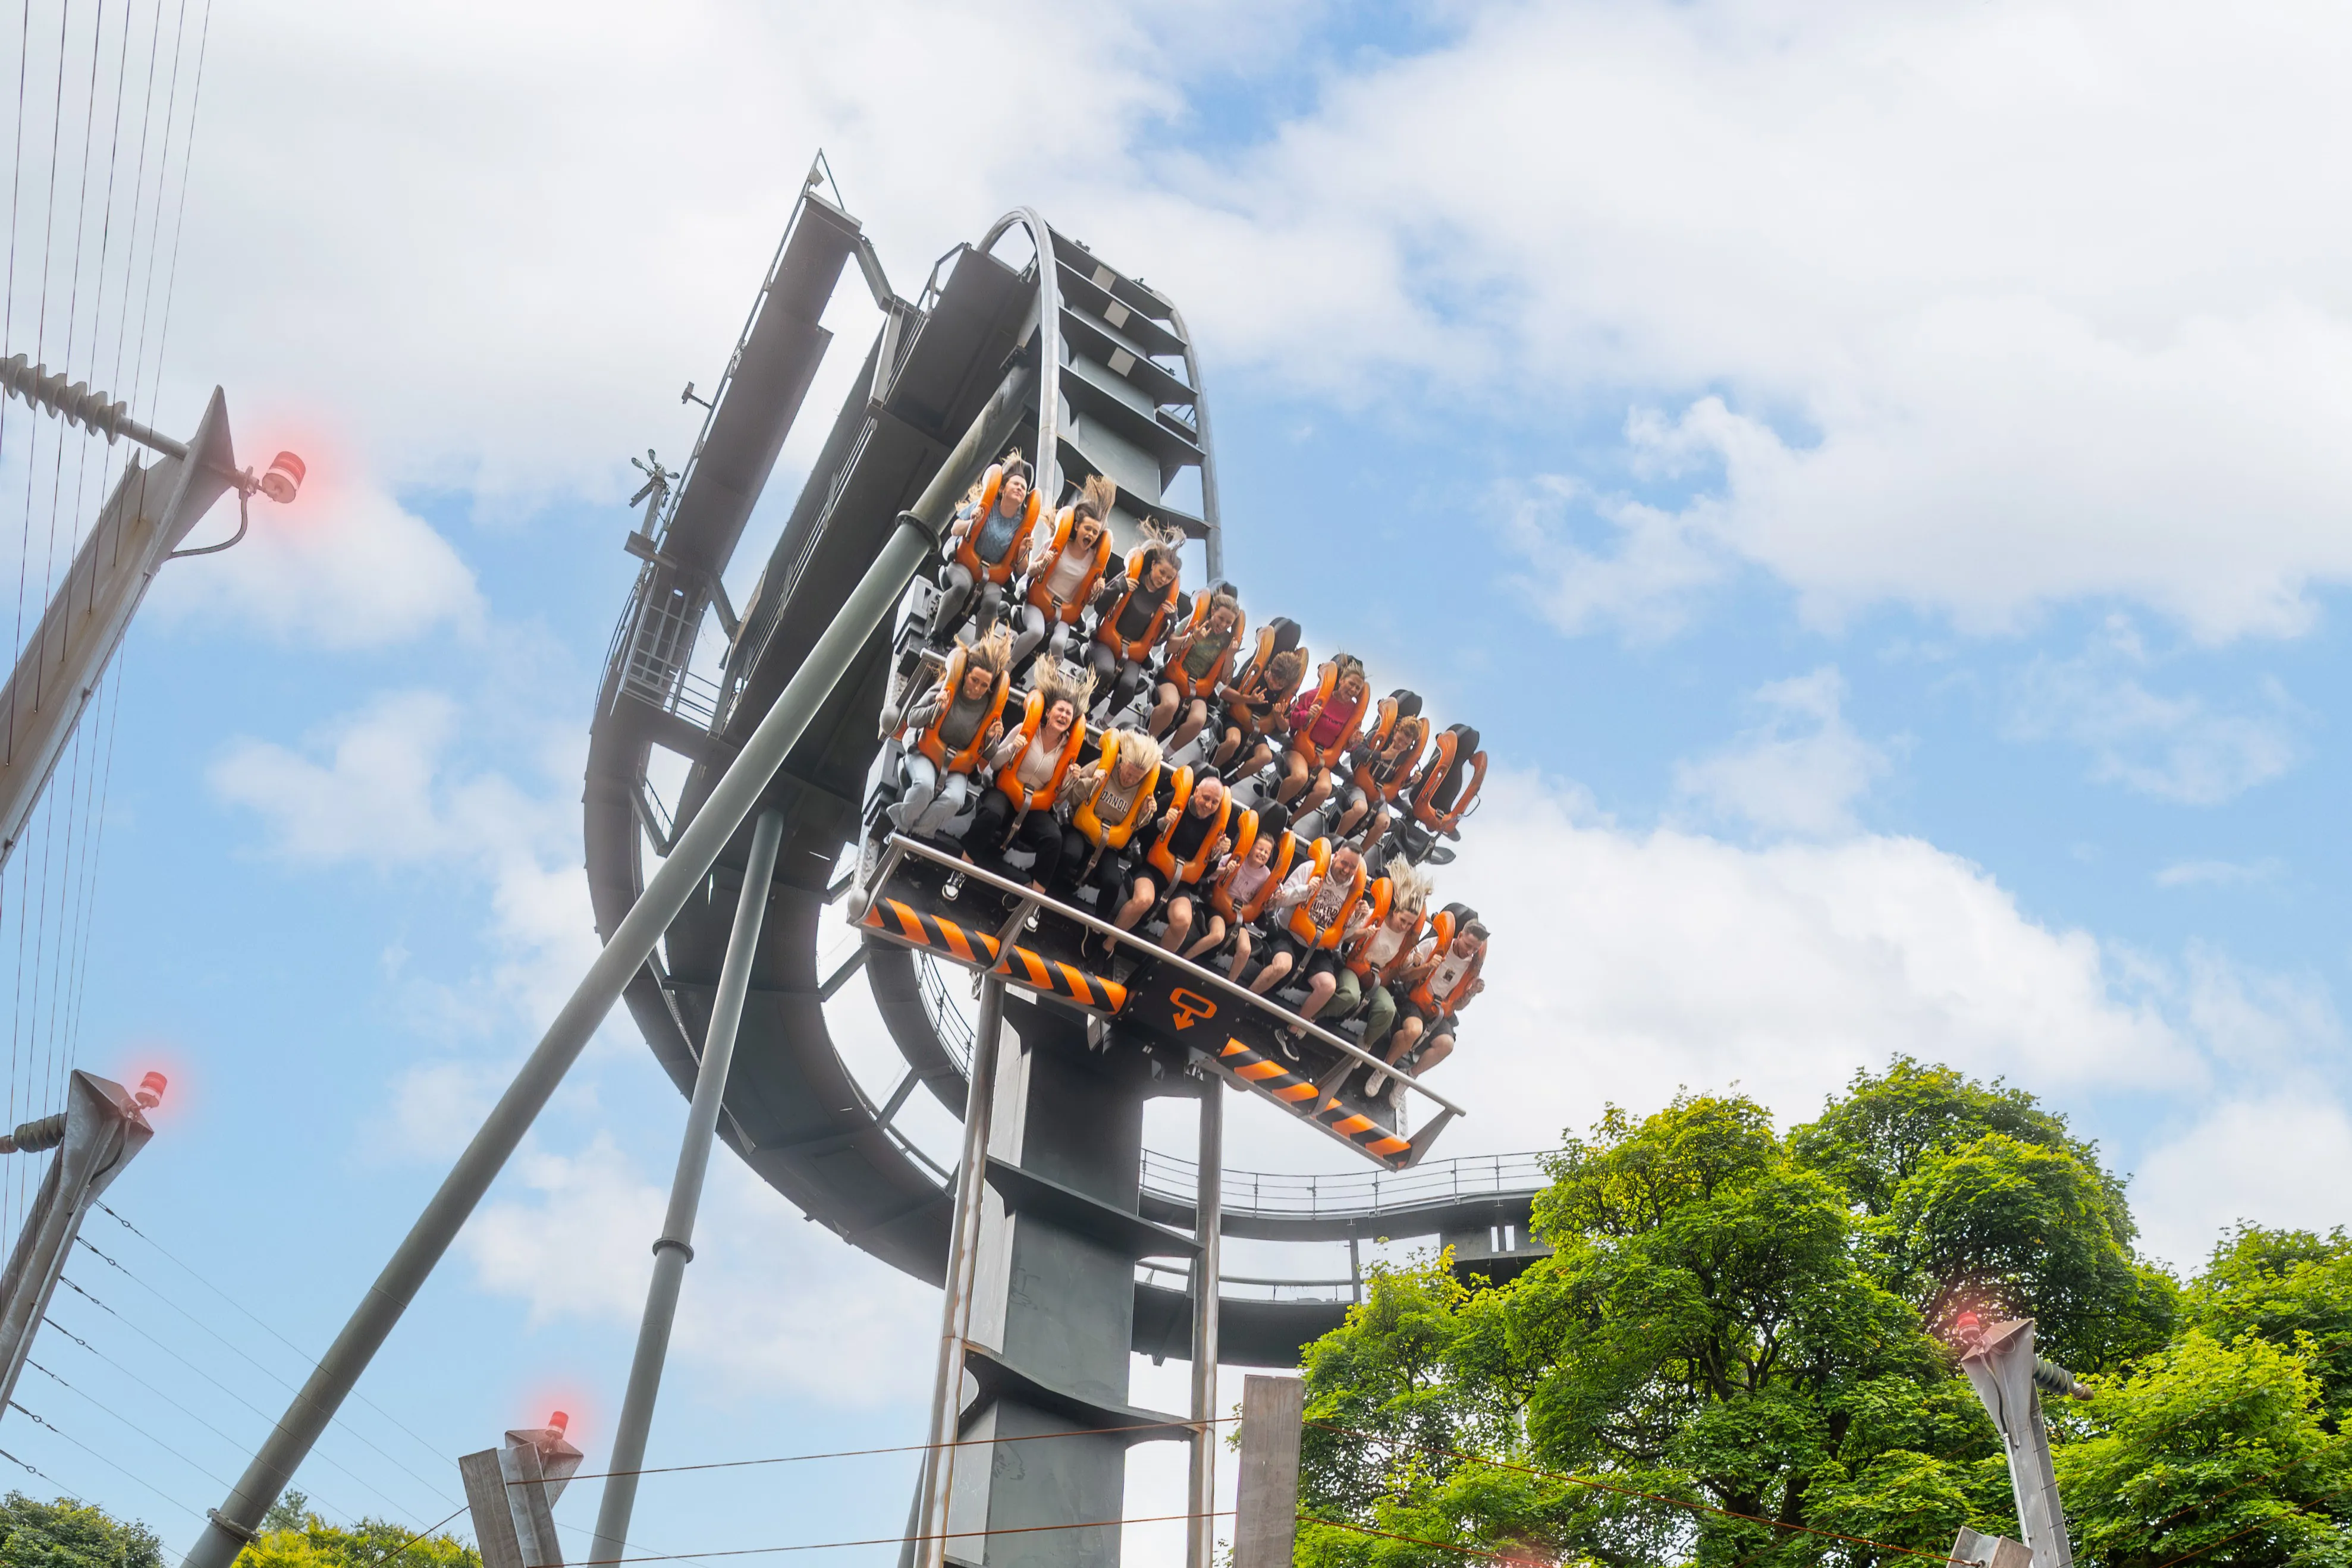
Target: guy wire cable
237 1445
155 225
309 1359
29 896
109 1464
324 1456
107 1409
265 1370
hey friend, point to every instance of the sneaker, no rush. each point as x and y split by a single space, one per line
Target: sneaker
1372 1089
953 890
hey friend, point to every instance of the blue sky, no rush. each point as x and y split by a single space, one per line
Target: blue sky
1872 473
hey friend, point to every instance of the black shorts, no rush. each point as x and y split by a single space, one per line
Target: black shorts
1445 1023
1306 963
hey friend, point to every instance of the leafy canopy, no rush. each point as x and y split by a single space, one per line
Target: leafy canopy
69 1534
1731 1356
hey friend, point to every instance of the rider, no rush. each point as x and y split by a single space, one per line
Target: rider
1180 871
1245 883
1315 906
1030 764
1324 723
1380 767
986 548
1064 572
1256 701
1135 612
1438 983
1376 950
949 730
1198 816
1108 802
1197 659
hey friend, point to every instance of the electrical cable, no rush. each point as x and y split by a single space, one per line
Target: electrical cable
187 161
381 1558
155 222
235 1443
127 1421
9 1190
68 1281
109 1464
85 1242
905 1540
177 1262
898 1448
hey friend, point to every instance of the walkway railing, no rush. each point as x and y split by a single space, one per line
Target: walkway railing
1325 1197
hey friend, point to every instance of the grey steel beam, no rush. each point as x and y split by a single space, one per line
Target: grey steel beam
911 542
674 1247
96 1136
1208 1207
930 1541
149 513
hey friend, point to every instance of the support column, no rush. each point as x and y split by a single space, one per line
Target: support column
1208 1215
1053 1300
674 1247
963 1255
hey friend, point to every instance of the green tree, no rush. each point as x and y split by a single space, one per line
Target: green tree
294 1537
2293 1288
1976 1197
2211 1450
1709 1327
68 1533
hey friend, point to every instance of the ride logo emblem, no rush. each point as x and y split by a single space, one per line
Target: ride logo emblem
1177 1008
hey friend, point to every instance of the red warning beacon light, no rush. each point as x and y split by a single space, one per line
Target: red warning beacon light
150 1093
556 1421
284 478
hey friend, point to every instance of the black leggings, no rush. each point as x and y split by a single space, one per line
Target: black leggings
1039 832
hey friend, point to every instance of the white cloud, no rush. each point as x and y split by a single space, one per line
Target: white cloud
1799 772
1645 574
380 789
2182 748
1627 963
1973 310
764 1292
345 567
2221 872
2282 1160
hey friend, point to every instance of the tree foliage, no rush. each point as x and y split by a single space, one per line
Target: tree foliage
294 1537
69 1534
1732 1357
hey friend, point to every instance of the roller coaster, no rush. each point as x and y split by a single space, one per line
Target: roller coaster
1094 373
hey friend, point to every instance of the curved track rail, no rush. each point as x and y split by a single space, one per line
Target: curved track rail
1098 351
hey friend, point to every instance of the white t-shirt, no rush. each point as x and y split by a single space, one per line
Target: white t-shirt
1449 974
1068 570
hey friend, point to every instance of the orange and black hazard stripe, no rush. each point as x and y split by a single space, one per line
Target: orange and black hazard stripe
1361 1130
979 949
909 924
1054 978
1263 1072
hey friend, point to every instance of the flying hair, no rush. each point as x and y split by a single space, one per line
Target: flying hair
1053 683
1012 465
1409 888
1095 497
1134 745
992 653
